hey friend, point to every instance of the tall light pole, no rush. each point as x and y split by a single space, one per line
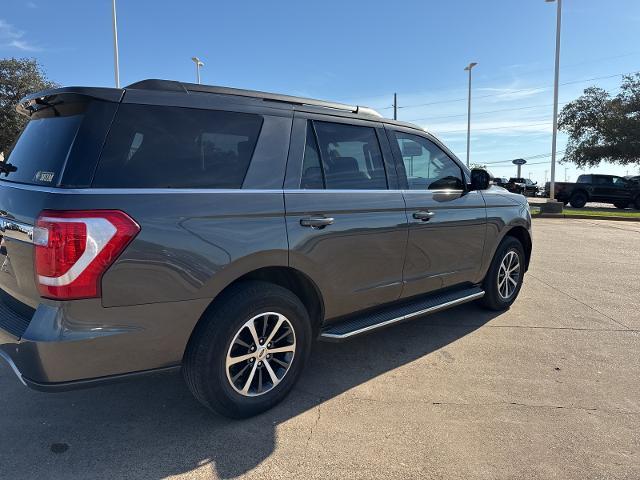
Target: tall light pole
199 64
468 68
115 44
555 99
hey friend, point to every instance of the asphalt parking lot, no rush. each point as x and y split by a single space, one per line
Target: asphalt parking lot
549 389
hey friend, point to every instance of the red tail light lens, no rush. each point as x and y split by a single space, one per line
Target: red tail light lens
75 248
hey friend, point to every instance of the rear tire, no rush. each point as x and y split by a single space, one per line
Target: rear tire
240 389
578 200
502 285
636 203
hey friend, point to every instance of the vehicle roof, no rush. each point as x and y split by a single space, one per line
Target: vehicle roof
27 103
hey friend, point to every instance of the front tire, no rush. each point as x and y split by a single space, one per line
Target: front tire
248 350
504 279
578 200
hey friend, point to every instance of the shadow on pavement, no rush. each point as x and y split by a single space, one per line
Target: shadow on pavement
153 428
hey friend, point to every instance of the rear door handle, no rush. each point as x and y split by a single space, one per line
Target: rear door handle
423 215
316 222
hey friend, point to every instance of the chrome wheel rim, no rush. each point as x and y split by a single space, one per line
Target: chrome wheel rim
260 354
509 275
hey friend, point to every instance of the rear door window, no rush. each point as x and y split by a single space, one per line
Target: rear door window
173 147
351 157
42 149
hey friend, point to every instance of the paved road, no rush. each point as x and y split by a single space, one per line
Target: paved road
549 389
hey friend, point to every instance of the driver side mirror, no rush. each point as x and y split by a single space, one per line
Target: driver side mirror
480 179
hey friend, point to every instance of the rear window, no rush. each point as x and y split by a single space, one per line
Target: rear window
173 147
43 147
584 179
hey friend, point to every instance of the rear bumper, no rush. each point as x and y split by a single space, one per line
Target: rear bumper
69 345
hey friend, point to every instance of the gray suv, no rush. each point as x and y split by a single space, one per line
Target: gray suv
170 225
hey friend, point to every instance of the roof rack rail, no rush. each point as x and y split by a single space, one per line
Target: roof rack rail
175 86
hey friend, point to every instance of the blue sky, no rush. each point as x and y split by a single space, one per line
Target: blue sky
357 52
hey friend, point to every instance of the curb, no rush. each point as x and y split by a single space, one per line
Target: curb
585 217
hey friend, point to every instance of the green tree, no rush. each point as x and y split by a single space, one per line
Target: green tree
602 127
18 77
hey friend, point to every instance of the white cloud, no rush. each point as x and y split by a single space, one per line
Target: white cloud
11 37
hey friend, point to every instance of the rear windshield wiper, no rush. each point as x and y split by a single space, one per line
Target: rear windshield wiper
7 168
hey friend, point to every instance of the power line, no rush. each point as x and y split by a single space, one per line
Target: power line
531 157
565 67
511 166
485 112
511 92
505 127
497 111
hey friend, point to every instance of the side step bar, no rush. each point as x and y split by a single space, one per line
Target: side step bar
362 323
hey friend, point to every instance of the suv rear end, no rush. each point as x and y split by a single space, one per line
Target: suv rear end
109 256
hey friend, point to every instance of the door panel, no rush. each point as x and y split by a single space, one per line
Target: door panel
357 260
447 223
446 249
349 240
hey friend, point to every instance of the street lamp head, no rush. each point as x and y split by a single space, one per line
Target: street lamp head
470 66
197 61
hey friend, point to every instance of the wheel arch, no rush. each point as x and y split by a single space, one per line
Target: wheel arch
522 235
287 277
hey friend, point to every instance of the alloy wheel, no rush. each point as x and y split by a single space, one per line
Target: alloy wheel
260 354
508 275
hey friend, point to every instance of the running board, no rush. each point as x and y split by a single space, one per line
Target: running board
362 323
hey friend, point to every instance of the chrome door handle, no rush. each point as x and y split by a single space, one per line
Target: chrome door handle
316 222
423 215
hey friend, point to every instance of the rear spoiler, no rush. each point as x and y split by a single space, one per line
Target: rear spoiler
44 98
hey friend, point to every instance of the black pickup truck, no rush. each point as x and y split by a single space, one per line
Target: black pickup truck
619 191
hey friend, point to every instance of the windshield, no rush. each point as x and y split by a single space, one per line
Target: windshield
40 153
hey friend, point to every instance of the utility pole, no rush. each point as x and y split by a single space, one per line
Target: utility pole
115 44
395 106
468 68
556 81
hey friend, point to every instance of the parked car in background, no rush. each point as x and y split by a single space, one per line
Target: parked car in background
619 191
501 181
633 178
523 186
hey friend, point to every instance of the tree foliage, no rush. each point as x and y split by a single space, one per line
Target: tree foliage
602 127
18 77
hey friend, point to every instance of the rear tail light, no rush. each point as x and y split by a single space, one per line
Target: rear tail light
75 248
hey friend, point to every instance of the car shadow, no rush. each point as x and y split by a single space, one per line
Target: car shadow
153 428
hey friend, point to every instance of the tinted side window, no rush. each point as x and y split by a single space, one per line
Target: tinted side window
598 180
584 179
619 181
351 157
312 176
172 147
427 166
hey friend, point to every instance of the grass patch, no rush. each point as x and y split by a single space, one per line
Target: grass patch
594 213
603 213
